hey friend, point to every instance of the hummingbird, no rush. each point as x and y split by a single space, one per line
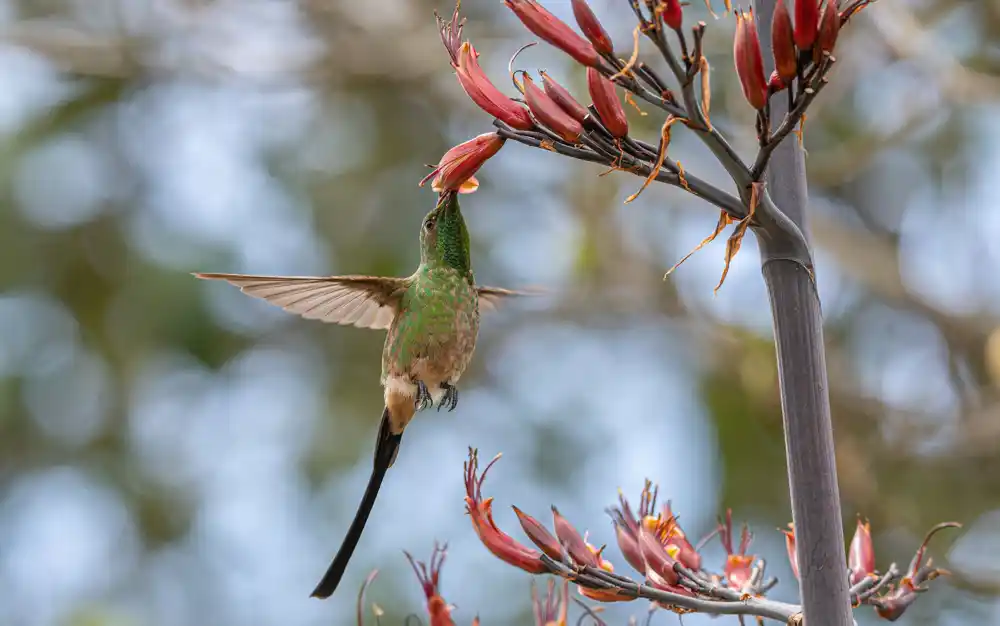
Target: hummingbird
432 318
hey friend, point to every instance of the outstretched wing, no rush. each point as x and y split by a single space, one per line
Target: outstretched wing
364 301
491 297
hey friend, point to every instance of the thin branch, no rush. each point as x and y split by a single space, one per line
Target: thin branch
791 119
598 579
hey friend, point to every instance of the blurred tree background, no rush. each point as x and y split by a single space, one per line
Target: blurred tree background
174 452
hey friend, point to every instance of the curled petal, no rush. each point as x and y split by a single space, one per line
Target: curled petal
918 558
591 27
572 541
456 168
539 535
605 99
438 610
538 20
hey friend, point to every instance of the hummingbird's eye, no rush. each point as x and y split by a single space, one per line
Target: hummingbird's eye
429 224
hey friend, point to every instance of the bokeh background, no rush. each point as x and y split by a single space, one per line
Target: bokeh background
173 452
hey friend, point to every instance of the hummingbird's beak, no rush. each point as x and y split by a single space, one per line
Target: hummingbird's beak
448 203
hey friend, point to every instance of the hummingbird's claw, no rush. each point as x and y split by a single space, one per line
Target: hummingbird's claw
450 397
423 400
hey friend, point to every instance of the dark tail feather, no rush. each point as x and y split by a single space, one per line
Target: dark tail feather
385 454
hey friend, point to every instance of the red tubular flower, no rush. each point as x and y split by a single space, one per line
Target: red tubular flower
806 23
539 535
829 28
659 561
437 609
861 555
783 43
790 548
572 541
686 553
502 545
671 12
455 170
749 62
485 94
563 98
554 612
550 113
553 30
609 107
739 565
591 27
892 606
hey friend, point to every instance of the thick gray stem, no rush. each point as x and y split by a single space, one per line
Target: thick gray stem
805 403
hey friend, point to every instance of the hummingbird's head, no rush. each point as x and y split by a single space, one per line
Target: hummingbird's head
444 239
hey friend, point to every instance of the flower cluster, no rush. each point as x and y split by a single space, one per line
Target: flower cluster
889 599
672 572
544 114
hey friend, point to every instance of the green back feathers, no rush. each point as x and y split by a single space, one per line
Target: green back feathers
444 238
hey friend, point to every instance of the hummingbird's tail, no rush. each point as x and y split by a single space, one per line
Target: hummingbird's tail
386 449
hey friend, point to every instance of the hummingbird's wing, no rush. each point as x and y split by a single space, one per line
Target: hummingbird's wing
364 301
491 297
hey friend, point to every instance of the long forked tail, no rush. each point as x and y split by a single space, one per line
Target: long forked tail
385 454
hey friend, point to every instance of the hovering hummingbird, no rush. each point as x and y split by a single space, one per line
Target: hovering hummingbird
433 320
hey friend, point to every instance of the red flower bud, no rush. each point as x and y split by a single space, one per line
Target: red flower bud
861 555
605 99
775 84
671 12
591 27
783 43
806 23
549 113
894 604
571 540
829 28
553 30
563 98
749 62
539 535
455 170
790 548
629 547
490 99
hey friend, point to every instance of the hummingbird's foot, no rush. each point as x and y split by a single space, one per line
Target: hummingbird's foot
450 397
423 399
